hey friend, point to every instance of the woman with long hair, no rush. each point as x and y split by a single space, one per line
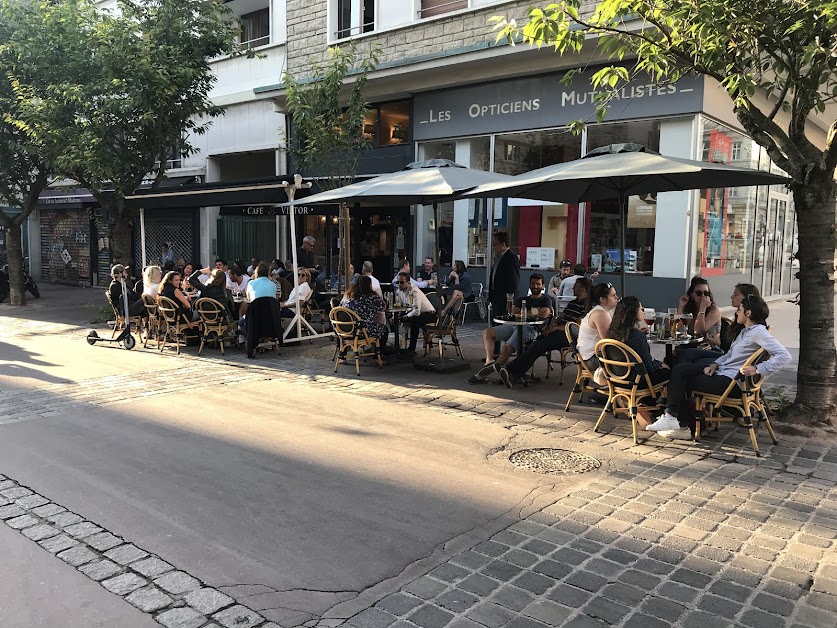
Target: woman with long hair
170 288
215 288
625 329
699 302
714 378
362 299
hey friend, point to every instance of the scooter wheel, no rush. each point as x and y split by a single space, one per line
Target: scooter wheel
92 337
129 342
34 290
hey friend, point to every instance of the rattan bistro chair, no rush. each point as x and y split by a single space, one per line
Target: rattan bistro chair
741 402
353 341
444 327
215 323
174 327
119 321
627 381
478 290
584 379
153 323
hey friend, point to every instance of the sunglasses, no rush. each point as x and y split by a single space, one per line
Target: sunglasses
702 293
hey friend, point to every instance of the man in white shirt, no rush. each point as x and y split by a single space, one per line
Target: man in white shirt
404 267
238 279
423 311
367 269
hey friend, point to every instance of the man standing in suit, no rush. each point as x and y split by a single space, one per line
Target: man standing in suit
505 274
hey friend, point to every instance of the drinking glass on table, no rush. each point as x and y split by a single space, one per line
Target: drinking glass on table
649 315
509 303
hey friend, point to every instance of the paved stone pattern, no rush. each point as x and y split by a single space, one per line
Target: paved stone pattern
668 540
682 535
174 598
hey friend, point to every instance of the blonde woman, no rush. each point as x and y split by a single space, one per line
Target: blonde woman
151 277
297 295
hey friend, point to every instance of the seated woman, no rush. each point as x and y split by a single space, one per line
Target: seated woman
721 341
596 324
689 378
459 282
361 299
170 288
215 288
302 294
625 328
706 316
151 277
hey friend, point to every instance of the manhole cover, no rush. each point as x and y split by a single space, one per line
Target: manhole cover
553 461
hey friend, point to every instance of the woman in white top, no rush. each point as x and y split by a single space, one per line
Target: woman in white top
151 277
303 294
596 324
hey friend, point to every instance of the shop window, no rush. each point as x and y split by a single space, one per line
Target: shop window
388 124
429 8
603 251
255 29
730 231
542 234
354 17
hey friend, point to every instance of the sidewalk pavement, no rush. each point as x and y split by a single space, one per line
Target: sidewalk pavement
38 590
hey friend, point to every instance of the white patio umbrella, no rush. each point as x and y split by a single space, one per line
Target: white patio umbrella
421 182
619 171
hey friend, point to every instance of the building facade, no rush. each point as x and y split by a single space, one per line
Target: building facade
445 89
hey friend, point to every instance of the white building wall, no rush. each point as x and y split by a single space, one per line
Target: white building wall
674 209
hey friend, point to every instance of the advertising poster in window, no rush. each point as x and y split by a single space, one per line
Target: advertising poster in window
717 205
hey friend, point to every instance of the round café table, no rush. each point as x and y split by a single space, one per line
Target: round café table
671 343
397 312
520 324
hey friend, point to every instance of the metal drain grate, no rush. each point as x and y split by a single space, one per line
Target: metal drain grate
553 461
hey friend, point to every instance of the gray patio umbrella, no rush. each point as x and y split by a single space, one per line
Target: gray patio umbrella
619 171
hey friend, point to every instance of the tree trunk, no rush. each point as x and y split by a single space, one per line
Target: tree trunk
121 238
14 252
816 397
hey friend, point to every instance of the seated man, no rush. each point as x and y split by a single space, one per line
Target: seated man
404 267
422 313
509 333
552 336
135 305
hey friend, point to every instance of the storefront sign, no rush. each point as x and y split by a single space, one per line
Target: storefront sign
543 101
273 210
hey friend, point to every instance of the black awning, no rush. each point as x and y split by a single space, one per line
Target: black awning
252 192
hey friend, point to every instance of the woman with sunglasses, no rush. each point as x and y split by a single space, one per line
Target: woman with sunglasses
698 301
714 378
302 294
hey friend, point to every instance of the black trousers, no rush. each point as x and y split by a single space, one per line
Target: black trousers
556 340
416 323
688 378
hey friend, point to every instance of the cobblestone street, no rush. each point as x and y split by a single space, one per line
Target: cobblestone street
666 533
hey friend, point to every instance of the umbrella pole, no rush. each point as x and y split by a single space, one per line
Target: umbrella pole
142 236
436 254
489 257
623 203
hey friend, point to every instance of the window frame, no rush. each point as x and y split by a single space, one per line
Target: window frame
254 18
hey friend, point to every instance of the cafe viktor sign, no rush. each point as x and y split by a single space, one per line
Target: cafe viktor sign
542 102
273 210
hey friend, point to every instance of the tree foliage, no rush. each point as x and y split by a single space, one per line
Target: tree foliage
138 84
777 61
327 133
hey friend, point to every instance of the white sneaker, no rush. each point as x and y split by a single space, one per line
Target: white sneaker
684 433
665 422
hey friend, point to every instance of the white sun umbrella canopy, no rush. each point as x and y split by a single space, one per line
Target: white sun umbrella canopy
618 171
421 182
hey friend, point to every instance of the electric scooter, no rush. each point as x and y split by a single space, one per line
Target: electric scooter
125 337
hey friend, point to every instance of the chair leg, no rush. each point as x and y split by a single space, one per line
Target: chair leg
602 416
576 389
357 363
770 431
632 413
